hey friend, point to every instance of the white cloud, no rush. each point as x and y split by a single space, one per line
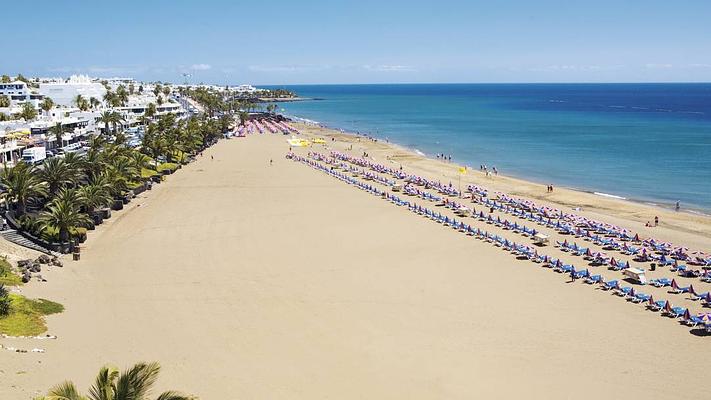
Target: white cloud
389 68
658 66
574 67
99 70
287 68
200 67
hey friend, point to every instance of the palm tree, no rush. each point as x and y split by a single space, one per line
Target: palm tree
150 110
46 105
21 184
58 132
96 194
4 101
75 163
93 163
106 117
243 117
28 112
94 102
109 96
81 102
125 168
63 213
110 117
122 94
139 161
56 174
132 384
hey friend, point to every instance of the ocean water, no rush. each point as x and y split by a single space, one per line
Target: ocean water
644 142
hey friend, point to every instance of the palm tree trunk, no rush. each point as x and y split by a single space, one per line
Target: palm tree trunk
63 235
20 208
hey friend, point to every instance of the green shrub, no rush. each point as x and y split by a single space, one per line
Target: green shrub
51 234
134 185
148 173
166 166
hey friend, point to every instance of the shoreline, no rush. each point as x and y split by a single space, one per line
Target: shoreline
660 204
628 212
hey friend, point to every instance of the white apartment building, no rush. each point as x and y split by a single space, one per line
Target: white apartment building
63 92
19 93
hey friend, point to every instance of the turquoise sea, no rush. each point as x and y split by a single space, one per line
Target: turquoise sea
643 142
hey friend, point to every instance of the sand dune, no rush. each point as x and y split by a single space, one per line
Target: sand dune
254 282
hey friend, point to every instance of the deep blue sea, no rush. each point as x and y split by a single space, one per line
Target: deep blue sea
645 142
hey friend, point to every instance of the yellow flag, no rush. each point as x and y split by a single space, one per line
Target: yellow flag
463 170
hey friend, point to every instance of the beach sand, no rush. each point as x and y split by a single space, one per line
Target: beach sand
250 281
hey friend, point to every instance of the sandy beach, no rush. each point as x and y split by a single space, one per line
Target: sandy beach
251 281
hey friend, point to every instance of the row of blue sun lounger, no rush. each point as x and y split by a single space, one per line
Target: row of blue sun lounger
613 285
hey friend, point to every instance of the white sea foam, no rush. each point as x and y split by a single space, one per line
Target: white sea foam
419 152
304 120
609 195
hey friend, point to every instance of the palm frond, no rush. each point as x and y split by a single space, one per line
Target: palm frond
103 388
64 391
172 395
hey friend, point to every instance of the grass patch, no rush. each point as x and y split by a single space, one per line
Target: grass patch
167 166
148 173
27 316
7 277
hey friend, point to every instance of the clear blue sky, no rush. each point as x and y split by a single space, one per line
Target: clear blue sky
313 41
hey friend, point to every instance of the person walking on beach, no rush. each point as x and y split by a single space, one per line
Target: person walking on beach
656 221
677 207
271 162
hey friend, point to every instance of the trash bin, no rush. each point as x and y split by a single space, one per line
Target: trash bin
76 256
653 267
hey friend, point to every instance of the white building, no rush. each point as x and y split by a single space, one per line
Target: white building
75 129
10 149
19 93
64 92
138 104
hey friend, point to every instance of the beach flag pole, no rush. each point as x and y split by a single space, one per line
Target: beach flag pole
462 171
